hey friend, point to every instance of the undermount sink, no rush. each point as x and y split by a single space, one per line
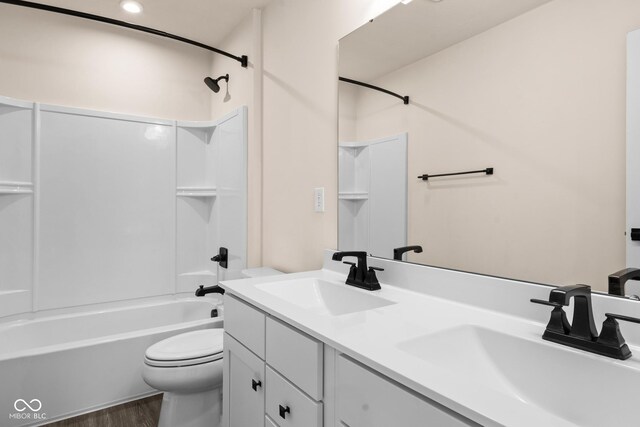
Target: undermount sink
584 389
322 297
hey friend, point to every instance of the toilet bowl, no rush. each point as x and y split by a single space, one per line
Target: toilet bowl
188 369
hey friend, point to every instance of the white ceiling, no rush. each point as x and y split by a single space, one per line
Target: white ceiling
407 33
206 21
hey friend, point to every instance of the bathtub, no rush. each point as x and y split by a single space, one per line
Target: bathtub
58 366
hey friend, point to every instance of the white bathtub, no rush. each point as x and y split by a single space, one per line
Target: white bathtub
79 362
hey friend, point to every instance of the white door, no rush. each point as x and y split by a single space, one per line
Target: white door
633 146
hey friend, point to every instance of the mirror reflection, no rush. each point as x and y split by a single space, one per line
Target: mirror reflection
535 90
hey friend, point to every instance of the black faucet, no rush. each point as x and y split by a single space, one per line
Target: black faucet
582 325
618 279
397 252
582 333
359 275
215 289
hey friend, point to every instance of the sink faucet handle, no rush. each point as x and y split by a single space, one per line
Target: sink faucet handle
558 321
371 279
622 317
611 335
353 270
545 302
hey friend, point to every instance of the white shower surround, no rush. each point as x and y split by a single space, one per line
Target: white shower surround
99 207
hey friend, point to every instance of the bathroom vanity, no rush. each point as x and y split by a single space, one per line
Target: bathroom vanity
432 347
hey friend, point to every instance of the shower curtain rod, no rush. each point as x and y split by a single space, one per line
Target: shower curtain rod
405 99
243 60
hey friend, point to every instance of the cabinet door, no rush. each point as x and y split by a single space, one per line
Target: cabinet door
289 405
244 386
366 399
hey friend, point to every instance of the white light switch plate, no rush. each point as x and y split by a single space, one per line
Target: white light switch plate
318 199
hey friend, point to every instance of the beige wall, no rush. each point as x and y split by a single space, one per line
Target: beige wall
300 124
69 61
542 99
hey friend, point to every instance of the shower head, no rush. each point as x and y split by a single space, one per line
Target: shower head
213 83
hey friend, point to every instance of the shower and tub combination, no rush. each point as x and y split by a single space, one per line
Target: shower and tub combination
88 359
109 222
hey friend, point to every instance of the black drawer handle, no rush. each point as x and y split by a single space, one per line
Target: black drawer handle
635 234
255 384
284 410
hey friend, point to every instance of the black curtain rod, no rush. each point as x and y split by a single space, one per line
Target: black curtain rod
425 177
243 60
405 99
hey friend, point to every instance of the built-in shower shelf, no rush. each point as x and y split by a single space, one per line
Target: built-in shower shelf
16 188
199 273
196 125
204 129
196 192
353 195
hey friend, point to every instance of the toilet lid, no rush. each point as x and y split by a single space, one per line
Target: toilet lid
197 347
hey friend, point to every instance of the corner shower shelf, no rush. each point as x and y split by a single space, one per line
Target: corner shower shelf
196 192
199 273
16 188
353 195
207 128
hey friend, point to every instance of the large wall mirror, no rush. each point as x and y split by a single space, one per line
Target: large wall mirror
536 90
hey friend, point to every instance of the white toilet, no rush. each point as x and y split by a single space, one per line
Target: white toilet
188 369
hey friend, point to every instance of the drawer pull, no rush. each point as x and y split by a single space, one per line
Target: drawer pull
255 384
284 410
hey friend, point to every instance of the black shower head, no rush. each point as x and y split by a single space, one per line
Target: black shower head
213 83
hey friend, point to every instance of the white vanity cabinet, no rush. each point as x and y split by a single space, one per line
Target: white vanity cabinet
273 372
278 376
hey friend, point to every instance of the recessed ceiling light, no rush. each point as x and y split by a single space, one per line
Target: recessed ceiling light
131 6
405 1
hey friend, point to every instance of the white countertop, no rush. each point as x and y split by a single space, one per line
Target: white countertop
373 337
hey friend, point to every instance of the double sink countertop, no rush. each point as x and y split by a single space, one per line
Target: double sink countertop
488 365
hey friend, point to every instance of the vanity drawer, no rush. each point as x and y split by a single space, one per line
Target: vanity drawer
295 355
245 323
281 394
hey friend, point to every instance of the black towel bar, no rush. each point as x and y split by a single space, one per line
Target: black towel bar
425 177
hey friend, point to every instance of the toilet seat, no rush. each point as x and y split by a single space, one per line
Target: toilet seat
188 349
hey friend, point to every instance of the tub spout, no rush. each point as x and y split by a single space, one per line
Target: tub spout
215 289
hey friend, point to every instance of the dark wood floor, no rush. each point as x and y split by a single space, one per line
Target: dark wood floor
139 413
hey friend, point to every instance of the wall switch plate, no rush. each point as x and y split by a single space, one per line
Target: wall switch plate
318 199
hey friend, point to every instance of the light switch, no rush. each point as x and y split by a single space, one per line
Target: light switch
318 199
